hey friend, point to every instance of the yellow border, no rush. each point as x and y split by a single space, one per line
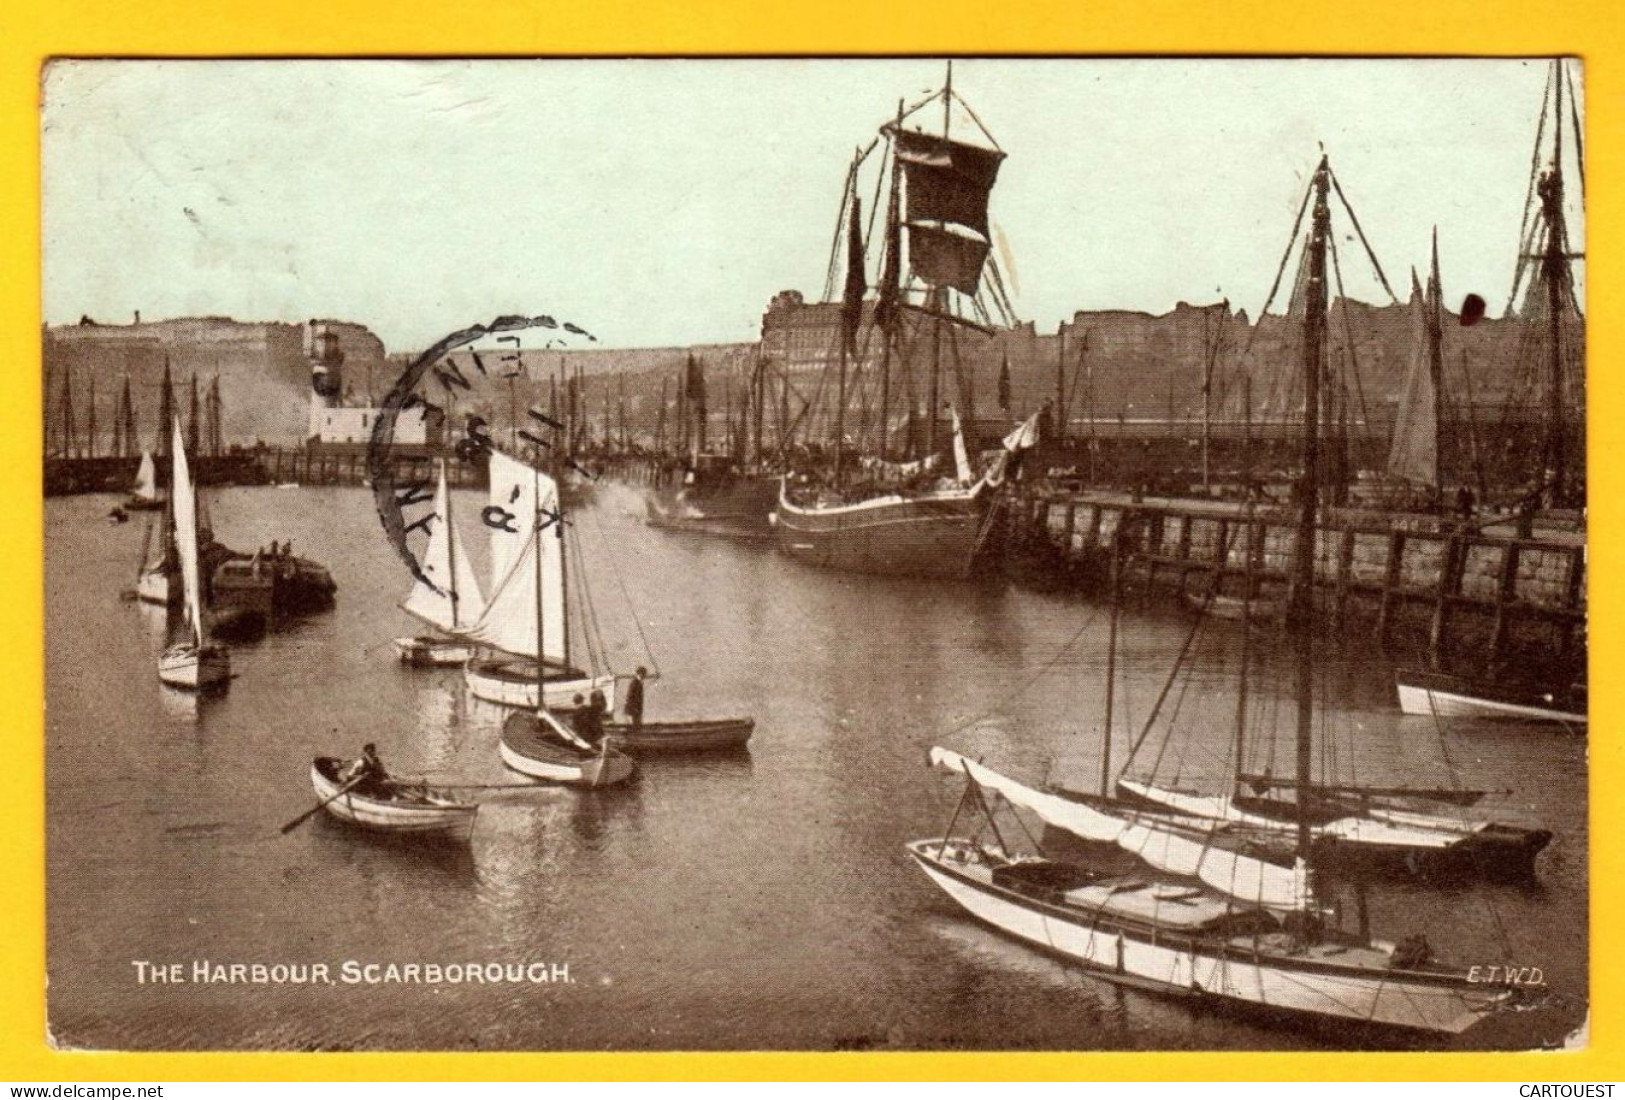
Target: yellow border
37 29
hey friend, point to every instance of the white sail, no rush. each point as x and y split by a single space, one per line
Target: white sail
520 497
961 459
183 500
146 479
454 601
1242 877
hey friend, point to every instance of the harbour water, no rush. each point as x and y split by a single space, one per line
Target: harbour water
752 901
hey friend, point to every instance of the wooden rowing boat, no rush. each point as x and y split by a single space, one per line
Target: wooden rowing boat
398 809
708 735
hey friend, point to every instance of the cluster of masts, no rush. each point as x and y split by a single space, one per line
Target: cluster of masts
67 437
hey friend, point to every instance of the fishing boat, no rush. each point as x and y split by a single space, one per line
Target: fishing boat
145 496
1347 826
698 735
527 616
1445 696
1205 924
193 661
938 215
400 809
445 597
537 744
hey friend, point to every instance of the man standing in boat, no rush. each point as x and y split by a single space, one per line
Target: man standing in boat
634 699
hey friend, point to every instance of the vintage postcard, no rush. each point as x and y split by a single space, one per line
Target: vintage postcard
830 554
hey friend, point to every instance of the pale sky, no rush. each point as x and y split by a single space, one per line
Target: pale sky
664 202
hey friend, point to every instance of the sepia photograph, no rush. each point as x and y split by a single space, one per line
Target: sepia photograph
815 554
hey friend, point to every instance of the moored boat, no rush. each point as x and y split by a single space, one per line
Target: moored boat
1436 694
447 595
1174 938
395 808
925 534
701 735
192 661
538 745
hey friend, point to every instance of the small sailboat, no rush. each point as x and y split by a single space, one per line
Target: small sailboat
145 496
449 600
527 616
193 662
403 809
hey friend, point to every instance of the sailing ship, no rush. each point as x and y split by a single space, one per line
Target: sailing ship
193 661
938 215
526 619
1352 827
145 496
448 599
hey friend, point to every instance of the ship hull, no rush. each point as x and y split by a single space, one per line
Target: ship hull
512 683
1418 697
929 535
1306 984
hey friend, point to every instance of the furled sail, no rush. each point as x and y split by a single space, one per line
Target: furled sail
183 499
1414 452
521 498
146 479
961 460
945 206
454 601
1179 853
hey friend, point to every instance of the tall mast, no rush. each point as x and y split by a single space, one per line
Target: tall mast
192 425
1246 570
541 628
451 546
1111 669
67 414
890 266
1435 346
90 420
1556 275
1300 611
166 413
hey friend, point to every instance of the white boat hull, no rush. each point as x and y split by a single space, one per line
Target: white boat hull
519 692
430 652
195 669
1418 700
1388 999
599 770
435 815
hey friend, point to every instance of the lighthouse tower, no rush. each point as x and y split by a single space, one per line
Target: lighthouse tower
326 360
